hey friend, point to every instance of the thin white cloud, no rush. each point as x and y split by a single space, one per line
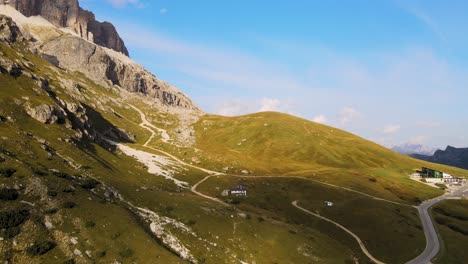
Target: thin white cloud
123 3
232 108
235 107
320 119
428 21
420 139
382 85
163 11
427 124
347 115
270 104
216 66
391 129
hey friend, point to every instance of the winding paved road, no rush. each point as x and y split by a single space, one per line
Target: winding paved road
432 240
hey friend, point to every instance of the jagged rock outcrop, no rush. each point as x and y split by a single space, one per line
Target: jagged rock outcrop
68 13
9 31
105 67
46 114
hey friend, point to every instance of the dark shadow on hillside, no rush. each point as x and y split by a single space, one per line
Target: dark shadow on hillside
105 128
100 132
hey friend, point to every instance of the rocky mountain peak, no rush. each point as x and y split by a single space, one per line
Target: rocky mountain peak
409 148
69 14
104 66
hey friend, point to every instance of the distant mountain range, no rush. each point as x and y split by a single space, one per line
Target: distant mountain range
457 157
409 149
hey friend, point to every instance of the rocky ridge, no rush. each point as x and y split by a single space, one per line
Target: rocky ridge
69 14
74 116
102 65
457 157
409 149
108 69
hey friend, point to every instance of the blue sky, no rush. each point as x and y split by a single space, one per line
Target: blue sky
390 71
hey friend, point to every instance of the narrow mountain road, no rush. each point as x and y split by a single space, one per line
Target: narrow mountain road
329 185
148 126
181 162
361 244
194 190
432 240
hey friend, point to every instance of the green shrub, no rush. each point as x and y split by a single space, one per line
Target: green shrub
441 220
453 214
373 180
90 224
13 218
116 235
62 175
51 211
458 229
191 222
7 172
235 201
52 193
126 252
69 205
89 184
39 172
70 261
10 232
41 247
68 190
8 194
37 218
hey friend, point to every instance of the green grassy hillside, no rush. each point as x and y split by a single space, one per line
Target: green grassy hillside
451 217
270 143
67 194
377 223
52 209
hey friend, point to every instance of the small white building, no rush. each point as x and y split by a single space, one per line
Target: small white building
450 179
329 204
447 176
434 180
238 191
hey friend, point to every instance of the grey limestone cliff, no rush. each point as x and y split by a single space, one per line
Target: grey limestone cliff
69 14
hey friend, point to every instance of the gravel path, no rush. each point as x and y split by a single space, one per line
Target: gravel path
361 245
432 241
